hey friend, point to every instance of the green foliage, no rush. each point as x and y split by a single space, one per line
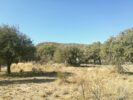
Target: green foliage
26 49
12 47
128 45
128 54
107 52
92 53
46 52
59 55
73 56
15 46
116 50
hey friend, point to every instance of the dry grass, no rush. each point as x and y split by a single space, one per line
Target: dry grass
67 83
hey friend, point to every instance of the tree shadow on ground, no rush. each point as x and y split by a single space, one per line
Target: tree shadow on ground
36 74
30 77
129 73
24 81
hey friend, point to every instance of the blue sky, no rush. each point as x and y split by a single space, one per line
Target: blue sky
68 21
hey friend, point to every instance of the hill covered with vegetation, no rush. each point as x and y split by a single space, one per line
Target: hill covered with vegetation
115 48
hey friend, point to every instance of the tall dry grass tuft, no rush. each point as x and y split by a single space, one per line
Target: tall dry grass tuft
21 67
62 77
99 84
90 86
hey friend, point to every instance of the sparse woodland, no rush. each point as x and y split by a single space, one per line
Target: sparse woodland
58 71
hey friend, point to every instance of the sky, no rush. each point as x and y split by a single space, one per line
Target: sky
68 21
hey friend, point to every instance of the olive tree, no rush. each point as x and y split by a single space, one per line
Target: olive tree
46 52
73 56
60 55
12 47
92 53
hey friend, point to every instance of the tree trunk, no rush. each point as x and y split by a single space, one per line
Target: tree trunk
100 61
9 68
0 67
94 61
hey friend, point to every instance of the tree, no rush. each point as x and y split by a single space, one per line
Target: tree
73 56
46 52
118 56
59 55
92 52
128 54
26 49
10 47
1 62
128 45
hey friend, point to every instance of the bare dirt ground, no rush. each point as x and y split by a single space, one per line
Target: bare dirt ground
56 82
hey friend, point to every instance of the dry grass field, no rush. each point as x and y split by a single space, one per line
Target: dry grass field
57 82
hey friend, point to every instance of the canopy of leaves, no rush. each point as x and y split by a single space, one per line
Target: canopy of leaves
109 52
14 46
